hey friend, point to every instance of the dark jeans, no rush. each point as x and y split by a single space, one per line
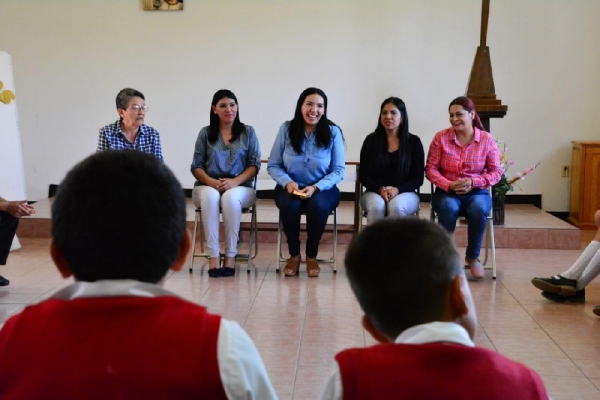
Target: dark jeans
475 205
317 208
8 228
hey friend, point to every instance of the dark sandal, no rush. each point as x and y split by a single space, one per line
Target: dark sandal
312 267
292 267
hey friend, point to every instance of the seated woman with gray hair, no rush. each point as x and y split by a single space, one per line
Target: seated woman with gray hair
129 131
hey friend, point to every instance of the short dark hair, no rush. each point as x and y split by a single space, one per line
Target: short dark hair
125 95
400 270
119 214
215 121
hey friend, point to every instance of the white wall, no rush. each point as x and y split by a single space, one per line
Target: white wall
71 57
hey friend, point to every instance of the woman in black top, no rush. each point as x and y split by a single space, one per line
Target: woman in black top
392 165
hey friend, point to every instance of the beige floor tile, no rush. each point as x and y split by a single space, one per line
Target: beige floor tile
591 368
550 366
570 386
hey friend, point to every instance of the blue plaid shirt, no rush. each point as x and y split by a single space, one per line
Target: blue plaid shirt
147 140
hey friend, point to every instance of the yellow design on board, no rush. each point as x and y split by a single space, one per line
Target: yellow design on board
6 96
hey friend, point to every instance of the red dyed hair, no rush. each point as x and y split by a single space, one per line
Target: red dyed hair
468 105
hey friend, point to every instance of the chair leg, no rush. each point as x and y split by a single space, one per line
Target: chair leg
199 214
194 241
335 240
255 235
251 238
360 219
487 243
278 256
492 247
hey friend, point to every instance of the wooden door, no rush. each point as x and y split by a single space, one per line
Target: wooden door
591 186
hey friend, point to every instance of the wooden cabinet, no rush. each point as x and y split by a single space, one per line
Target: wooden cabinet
585 184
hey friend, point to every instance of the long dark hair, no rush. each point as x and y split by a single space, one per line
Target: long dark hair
214 128
322 131
380 151
468 105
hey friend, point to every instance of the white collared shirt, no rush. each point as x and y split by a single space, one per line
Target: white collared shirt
241 369
431 332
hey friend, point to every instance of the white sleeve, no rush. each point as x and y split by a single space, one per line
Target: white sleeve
242 370
333 389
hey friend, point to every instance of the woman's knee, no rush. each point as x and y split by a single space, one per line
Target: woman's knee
237 195
319 206
205 195
404 204
446 207
479 208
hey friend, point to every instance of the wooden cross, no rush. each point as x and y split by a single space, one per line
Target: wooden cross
481 82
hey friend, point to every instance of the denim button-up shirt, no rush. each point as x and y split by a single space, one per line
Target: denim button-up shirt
318 166
221 161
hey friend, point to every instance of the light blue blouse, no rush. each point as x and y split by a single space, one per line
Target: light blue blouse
221 161
322 167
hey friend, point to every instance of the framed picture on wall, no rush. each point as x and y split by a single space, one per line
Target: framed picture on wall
163 5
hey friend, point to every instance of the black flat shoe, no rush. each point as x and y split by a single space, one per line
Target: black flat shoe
227 271
579 297
556 284
215 272
4 281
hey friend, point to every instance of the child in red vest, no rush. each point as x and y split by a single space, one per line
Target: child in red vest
409 281
118 227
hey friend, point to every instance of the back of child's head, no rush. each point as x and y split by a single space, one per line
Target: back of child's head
400 270
119 214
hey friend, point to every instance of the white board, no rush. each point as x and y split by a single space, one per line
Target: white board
12 175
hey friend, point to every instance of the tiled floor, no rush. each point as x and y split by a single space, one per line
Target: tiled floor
298 324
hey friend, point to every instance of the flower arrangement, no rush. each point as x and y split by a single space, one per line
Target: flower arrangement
505 184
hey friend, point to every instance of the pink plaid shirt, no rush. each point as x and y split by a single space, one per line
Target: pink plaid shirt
448 160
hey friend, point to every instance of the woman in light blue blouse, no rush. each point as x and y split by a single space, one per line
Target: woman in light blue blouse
307 161
226 159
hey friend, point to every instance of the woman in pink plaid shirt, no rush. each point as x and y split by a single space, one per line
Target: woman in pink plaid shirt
463 162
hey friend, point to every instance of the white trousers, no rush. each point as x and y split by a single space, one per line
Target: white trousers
402 205
231 203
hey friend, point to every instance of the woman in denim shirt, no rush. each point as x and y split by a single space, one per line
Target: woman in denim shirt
307 161
226 159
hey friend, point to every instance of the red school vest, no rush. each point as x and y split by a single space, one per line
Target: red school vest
435 371
111 348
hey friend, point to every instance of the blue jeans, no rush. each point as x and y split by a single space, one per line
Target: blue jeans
475 205
317 209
